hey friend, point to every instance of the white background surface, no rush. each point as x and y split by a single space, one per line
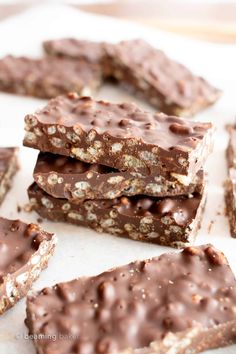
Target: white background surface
81 251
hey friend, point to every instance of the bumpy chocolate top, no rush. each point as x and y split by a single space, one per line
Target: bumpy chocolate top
124 120
18 242
6 155
133 305
169 77
75 48
47 71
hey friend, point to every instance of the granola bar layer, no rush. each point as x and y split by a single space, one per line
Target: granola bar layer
166 221
24 253
177 303
8 168
47 77
75 49
165 83
121 136
65 177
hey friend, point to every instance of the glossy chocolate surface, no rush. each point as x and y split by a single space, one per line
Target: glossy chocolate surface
121 136
19 241
134 305
24 252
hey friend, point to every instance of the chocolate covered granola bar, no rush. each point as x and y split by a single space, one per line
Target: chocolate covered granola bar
172 221
8 168
165 83
121 136
47 77
177 303
24 252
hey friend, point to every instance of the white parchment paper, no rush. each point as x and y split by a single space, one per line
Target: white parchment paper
81 251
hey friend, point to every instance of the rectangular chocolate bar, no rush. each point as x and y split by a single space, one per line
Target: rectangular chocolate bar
177 303
47 77
230 200
165 83
24 253
65 177
121 136
230 184
166 221
73 48
8 168
231 148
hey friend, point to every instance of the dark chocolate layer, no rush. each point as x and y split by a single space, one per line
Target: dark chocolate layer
24 252
165 83
121 136
129 307
8 168
167 221
65 177
75 48
47 77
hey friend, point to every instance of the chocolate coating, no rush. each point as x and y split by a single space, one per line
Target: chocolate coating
121 136
8 168
65 177
75 48
139 303
165 83
47 77
167 221
24 252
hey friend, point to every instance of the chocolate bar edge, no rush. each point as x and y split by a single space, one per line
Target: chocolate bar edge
105 222
16 285
7 177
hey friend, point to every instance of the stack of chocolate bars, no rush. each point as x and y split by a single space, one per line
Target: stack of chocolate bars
119 169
